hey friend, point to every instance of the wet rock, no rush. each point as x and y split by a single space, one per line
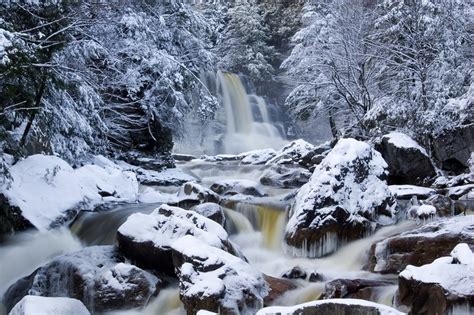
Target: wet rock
408 162
192 194
277 287
441 287
343 201
422 245
230 187
315 277
211 211
183 157
146 239
285 177
333 307
295 273
354 288
459 191
11 220
213 280
35 305
95 275
453 149
444 205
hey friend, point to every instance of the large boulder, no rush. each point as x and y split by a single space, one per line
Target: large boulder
97 276
408 162
283 176
212 279
277 287
422 245
333 307
444 286
453 149
343 201
40 305
146 239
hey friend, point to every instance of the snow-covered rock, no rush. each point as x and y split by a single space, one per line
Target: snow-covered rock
441 286
343 201
211 211
40 305
406 192
425 212
191 194
292 153
408 162
257 157
95 275
214 280
422 245
333 306
49 191
146 239
230 187
283 176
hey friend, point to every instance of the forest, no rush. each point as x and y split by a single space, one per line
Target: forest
236 157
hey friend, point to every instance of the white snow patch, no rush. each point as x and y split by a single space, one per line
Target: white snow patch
426 210
383 309
257 156
454 273
45 187
401 140
402 191
40 305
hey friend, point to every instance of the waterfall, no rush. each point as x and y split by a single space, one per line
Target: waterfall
248 123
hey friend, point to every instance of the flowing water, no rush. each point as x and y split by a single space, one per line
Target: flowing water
255 224
248 122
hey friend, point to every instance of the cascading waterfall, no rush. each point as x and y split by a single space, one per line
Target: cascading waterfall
248 123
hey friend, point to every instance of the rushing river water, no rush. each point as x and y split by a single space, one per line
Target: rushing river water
256 225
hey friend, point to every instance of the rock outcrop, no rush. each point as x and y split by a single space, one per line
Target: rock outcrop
343 201
211 211
354 289
408 162
95 275
453 149
146 239
214 280
191 194
422 245
333 306
441 287
231 187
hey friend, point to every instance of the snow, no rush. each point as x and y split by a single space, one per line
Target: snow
426 210
217 273
383 309
401 140
257 157
45 187
454 273
292 152
407 191
356 196
40 305
5 43
151 195
172 223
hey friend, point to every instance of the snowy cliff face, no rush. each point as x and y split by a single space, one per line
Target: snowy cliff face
344 200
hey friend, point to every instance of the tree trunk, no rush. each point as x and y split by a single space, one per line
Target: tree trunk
38 98
332 124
